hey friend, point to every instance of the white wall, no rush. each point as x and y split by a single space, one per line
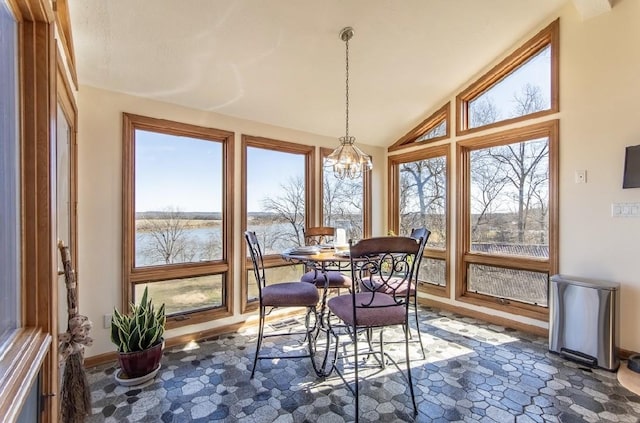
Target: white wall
100 195
600 105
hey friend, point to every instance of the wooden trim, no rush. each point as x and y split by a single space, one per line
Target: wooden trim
549 36
310 204
393 173
131 274
464 255
63 23
67 104
490 318
409 139
366 195
36 10
20 364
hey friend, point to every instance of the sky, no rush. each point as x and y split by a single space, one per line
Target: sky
186 173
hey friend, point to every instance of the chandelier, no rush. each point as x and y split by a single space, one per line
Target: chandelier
347 160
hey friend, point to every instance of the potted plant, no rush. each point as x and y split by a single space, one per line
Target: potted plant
138 337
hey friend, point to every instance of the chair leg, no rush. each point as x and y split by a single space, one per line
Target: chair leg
357 384
415 312
406 349
259 343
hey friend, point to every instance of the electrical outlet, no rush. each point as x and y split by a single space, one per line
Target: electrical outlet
581 176
107 321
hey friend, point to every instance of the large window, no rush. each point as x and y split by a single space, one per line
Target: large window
277 204
508 219
524 85
10 239
346 203
419 193
177 220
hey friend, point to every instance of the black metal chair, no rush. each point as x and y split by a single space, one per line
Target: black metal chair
387 260
278 295
402 285
318 236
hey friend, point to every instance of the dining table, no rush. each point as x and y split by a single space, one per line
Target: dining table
321 259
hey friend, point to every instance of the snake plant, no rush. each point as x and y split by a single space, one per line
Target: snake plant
140 330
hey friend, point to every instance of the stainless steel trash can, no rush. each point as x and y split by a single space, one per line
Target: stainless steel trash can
583 320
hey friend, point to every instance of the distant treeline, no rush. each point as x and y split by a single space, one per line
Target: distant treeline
196 215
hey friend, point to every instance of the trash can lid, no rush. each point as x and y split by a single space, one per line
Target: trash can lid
586 282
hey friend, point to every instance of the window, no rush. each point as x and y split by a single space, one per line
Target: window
419 186
10 210
177 220
434 128
524 85
346 203
508 219
278 201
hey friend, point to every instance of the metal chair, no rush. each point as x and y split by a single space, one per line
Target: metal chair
336 279
402 285
388 260
278 295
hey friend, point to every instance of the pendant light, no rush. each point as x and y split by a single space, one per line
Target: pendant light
347 160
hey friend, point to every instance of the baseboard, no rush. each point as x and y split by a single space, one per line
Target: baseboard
524 327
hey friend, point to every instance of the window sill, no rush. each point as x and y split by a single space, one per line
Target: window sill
20 364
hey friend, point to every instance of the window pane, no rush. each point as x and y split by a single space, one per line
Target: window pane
510 199
423 198
520 285
275 198
439 130
343 203
178 199
185 295
274 275
10 240
432 272
524 91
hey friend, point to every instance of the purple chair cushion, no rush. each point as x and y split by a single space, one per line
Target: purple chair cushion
371 316
336 279
290 294
395 283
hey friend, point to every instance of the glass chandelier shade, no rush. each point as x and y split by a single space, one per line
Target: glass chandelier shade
347 160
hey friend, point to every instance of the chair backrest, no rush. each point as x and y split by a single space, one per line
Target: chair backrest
390 261
422 234
318 235
256 257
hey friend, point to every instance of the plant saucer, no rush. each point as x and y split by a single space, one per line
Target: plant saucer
125 380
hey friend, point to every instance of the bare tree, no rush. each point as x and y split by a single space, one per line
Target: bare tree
489 180
424 179
483 111
168 241
289 208
343 201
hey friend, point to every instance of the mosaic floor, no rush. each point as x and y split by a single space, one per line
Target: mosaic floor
474 372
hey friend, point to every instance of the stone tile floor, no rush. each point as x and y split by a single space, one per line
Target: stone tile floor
474 372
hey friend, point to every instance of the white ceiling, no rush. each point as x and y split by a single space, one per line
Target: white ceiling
281 62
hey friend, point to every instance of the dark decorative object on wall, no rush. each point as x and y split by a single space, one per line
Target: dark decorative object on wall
631 167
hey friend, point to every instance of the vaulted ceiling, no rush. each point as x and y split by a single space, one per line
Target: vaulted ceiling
281 62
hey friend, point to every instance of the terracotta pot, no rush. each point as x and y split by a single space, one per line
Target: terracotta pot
139 363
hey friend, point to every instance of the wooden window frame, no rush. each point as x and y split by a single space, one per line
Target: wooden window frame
31 349
366 195
443 114
549 36
272 260
464 256
69 108
132 275
393 171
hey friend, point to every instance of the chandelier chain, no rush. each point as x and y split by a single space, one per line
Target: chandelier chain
347 88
